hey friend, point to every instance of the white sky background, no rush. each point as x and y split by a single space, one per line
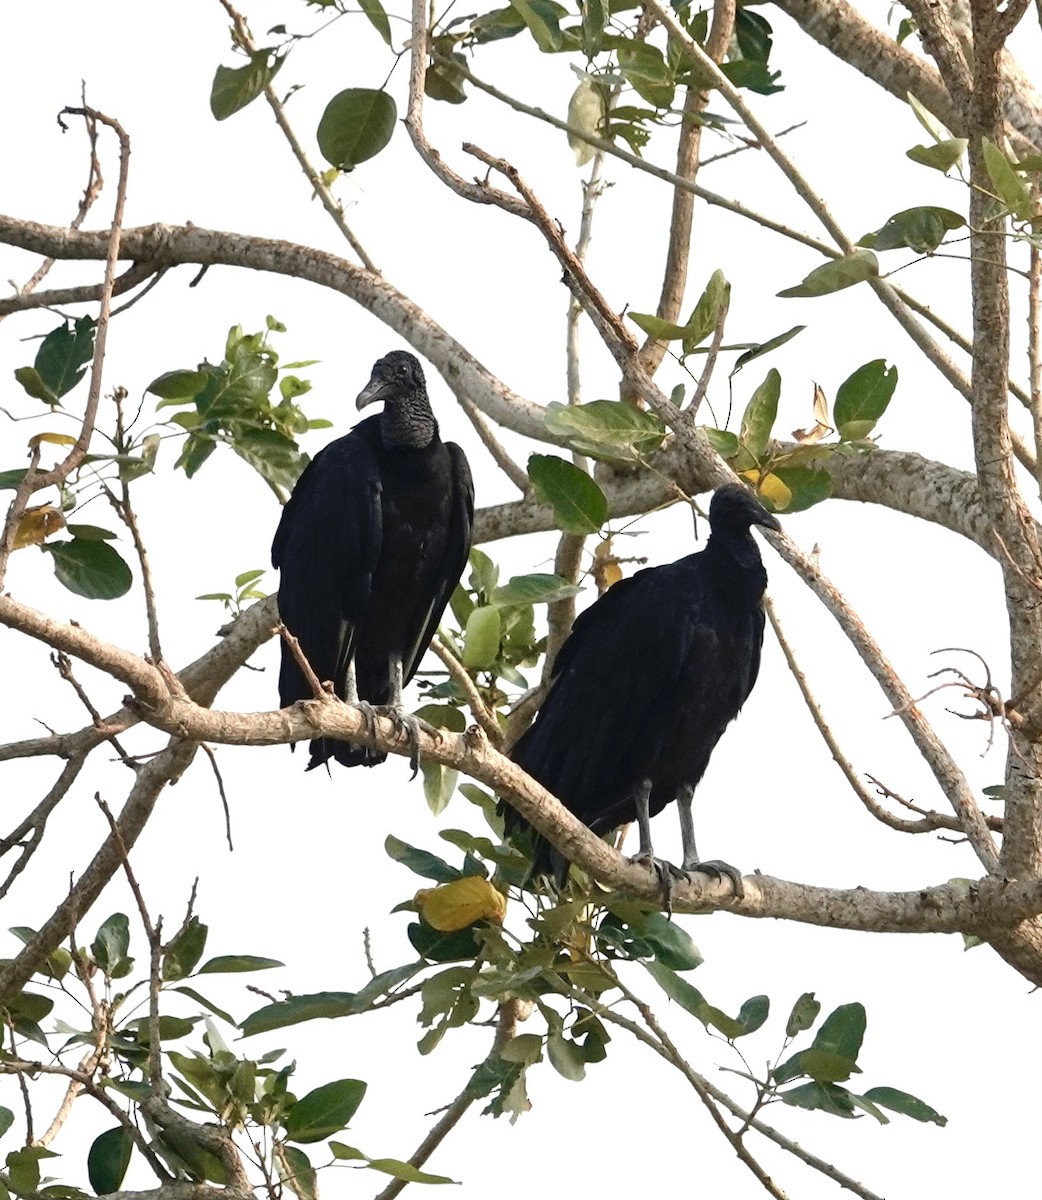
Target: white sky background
309 872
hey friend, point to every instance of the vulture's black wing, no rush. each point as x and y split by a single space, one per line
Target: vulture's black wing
459 484
327 546
615 681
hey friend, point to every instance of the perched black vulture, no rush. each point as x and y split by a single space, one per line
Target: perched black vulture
646 683
371 544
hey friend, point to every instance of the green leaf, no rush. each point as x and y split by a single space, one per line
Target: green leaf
825 1097
692 1000
823 1066
862 398
326 1005
647 72
481 638
91 533
754 1012
702 322
642 935
804 1014
184 952
374 10
726 444
606 429
941 157
90 568
63 355
111 945
30 380
807 486
753 75
442 716
543 21
29 1006
324 1111
235 87
711 306
346 1153
496 25
902 1102
439 782
920 229
595 17
836 275
565 1057
405 1171
108 1159
178 386
656 327
462 945
297 1173
533 589
753 33
356 125
579 504
759 416
445 78
11 479
1011 188
926 118
421 862
227 963
273 455
765 347
843 1031
6 1120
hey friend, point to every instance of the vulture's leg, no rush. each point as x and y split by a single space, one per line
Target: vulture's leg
363 706
405 722
691 861
665 871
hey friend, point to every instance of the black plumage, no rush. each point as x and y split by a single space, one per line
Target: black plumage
371 544
646 683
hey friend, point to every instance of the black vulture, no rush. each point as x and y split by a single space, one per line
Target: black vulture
646 683
371 544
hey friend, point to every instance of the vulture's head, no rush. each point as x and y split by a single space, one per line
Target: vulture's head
734 510
396 376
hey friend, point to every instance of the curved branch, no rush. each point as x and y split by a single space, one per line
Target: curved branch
173 245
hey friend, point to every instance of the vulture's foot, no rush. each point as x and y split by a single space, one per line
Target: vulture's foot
719 870
412 727
668 875
369 715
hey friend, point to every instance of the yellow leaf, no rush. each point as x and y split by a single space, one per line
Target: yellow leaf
821 426
456 905
55 439
606 569
36 524
772 488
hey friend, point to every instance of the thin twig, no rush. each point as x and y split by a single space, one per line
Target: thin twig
34 479
317 689
484 715
321 190
931 820
92 190
510 1011
63 665
209 752
502 459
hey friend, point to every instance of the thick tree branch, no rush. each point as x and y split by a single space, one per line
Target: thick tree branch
171 245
